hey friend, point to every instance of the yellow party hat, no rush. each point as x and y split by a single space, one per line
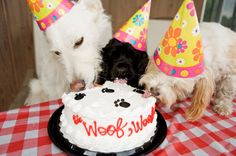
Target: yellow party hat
135 30
48 11
180 53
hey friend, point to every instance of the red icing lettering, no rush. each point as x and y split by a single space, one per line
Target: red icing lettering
77 119
151 116
117 129
130 132
109 130
138 126
91 128
102 131
145 122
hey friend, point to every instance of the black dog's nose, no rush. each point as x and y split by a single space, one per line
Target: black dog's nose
122 67
122 70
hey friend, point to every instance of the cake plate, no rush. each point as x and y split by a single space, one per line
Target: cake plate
57 138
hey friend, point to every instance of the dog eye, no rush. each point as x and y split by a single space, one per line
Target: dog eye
57 53
79 42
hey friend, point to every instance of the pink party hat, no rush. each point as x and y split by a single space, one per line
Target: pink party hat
180 53
135 30
48 11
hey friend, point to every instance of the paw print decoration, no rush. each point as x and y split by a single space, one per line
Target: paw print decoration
79 96
121 103
138 91
107 90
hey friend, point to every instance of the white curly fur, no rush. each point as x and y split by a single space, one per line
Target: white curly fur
86 19
219 78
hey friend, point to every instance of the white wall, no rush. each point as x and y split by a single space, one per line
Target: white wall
156 31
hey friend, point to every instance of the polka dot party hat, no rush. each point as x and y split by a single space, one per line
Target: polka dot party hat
135 30
180 53
46 12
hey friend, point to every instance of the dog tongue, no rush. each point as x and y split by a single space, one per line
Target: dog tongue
77 85
122 81
146 94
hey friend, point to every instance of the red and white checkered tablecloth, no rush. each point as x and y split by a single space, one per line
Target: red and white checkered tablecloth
24 132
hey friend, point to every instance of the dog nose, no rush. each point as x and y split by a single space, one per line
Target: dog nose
77 85
122 70
158 100
122 66
155 91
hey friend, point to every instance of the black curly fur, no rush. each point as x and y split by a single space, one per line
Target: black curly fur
121 60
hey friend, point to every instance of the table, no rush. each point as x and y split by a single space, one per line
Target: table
23 131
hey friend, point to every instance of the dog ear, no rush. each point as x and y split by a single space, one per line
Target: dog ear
202 94
143 62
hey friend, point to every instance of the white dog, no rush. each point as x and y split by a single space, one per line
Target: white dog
219 44
74 43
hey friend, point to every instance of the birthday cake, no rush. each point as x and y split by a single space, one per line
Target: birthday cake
110 118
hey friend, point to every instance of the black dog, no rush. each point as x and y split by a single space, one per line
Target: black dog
122 61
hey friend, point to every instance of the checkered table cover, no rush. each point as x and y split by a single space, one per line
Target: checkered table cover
24 132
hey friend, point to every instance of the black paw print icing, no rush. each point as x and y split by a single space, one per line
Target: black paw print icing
106 90
138 91
79 96
121 103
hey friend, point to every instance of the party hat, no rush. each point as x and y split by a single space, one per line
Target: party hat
135 30
46 12
180 53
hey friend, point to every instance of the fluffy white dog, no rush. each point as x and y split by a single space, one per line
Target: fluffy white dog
74 43
219 44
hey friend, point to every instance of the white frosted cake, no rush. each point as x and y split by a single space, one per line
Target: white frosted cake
111 118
